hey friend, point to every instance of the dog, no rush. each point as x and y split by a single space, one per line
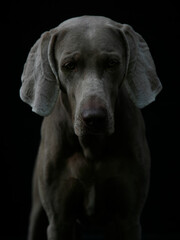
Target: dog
89 77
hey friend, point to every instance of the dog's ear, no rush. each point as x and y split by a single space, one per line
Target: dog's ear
39 79
141 81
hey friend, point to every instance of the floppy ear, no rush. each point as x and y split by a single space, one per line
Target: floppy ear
39 79
141 81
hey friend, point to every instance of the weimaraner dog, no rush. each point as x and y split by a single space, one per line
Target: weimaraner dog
88 77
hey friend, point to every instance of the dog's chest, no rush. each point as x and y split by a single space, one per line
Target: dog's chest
93 176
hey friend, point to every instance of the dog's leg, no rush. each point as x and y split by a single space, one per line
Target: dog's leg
62 201
38 223
125 200
38 219
124 231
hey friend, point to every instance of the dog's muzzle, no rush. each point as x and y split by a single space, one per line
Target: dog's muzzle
94 118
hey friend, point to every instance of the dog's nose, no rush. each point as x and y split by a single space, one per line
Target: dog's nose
95 119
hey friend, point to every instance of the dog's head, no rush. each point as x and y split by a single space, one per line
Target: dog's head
89 58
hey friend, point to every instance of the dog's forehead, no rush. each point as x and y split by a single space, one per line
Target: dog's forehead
86 21
88 33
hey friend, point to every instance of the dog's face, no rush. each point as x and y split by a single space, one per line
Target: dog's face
91 65
89 58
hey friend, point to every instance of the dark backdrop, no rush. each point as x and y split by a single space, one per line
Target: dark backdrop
22 24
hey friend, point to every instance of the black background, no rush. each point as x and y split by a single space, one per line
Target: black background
22 24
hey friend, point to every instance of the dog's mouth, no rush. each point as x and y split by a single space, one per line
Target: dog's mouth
95 129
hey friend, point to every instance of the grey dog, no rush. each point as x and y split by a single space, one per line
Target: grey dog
89 77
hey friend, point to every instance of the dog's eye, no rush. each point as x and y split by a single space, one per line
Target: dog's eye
71 65
111 63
